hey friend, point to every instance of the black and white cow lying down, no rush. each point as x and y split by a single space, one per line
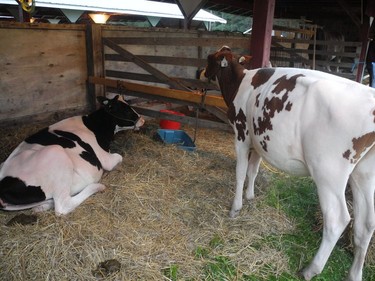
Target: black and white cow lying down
305 122
61 165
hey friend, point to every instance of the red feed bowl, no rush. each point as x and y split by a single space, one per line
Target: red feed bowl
169 124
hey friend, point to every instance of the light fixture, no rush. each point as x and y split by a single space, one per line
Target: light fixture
99 18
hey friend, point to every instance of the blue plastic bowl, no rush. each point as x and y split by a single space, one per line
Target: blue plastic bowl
177 137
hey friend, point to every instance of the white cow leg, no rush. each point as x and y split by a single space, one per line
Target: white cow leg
363 187
252 172
110 160
45 206
242 150
335 219
66 205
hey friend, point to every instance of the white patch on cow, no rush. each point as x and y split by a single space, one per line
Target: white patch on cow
224 62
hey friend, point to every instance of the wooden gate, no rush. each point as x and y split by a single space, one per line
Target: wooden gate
163 66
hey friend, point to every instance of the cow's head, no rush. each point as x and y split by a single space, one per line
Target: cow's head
124 116
216 61
222 59
229 69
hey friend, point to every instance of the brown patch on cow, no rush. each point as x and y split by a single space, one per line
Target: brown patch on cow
288 106
270 107
361 144
263 143
262 76
275 104
346 154
231 113
373 113
284 83
238 120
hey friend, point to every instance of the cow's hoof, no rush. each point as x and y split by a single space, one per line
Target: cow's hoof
304 275
234 213
101 187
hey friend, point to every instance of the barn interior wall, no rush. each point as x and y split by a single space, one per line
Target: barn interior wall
169 54
45 68
43 71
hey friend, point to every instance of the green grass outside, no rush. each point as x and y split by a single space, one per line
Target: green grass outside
296 197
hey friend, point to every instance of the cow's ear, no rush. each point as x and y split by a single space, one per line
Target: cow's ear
102 100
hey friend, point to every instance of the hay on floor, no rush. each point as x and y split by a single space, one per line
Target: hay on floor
161 205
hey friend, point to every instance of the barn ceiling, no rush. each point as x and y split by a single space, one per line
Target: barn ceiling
309 9
314 10
286 8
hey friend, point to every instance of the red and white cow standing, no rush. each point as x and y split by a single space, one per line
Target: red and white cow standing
62 164
305 122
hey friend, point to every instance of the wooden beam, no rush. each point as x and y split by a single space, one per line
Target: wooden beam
193 96
344 5
95 67
262 32
162 60
365 42
188 82
241 42
183 119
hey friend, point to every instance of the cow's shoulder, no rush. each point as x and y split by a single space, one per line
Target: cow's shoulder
46 137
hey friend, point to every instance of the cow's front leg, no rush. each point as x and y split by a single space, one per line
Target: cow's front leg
111 160
242 151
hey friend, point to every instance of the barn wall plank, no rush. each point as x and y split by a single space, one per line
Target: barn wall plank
43 70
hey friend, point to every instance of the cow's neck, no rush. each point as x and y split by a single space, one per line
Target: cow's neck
101 124
230 79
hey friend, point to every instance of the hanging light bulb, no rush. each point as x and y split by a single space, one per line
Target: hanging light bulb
99 18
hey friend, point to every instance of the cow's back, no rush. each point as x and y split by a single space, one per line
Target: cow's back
291 112
67 145
84 155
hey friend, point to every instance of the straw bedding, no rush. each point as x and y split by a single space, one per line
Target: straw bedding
160 206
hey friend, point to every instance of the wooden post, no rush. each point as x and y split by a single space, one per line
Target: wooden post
362 56
262 32
95 62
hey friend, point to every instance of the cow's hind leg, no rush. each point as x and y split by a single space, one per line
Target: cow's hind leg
252 172
362 182
331 184
66 204
242 151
